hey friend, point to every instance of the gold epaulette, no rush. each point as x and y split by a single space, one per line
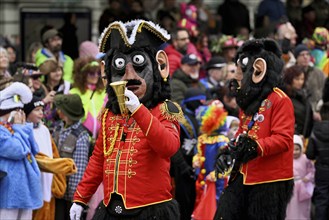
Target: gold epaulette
171 111
279 92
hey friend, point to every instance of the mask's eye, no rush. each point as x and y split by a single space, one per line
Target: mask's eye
119 63
243 61
138 59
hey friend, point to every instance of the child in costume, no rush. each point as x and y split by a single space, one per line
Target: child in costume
34 114
53 173
299 206
213 136
20 189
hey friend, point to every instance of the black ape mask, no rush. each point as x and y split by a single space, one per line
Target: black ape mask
260 62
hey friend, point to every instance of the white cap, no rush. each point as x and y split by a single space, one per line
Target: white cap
15 96
298 140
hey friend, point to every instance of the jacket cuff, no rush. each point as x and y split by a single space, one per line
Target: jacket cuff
84 206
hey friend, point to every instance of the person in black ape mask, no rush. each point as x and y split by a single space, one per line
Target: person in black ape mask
139 131
261 155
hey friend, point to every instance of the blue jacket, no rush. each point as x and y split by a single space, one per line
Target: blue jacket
21 188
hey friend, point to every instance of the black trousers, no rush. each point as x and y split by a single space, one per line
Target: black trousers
267 201
163 211
321 200
62 209
185 195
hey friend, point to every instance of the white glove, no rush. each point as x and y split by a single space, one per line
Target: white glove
75 211
132 102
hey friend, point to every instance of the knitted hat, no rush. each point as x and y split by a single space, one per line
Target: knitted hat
298 140
70 105
35 102
88 49
14 96
49 34
300 48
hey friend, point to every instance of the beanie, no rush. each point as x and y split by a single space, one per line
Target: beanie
49 34
88 49
35 102
300 48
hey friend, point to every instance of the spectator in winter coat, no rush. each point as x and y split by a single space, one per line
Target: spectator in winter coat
318 150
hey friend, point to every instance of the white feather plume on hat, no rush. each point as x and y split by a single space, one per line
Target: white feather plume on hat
15 96
136 32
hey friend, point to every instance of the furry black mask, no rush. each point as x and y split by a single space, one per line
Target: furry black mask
250 94
160 88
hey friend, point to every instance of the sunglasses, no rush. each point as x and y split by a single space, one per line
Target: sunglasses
94 74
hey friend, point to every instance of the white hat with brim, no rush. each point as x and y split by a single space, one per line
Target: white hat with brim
15 96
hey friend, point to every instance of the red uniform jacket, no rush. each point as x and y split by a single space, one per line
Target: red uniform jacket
136 168
273 130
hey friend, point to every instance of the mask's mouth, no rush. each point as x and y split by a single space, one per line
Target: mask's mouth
133 88
133 84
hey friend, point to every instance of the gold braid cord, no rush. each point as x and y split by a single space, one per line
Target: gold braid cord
110 150
205 139
188 127
169 114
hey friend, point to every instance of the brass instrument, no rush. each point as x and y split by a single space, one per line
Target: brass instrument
119 89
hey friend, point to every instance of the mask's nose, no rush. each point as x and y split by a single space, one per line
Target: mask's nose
130 72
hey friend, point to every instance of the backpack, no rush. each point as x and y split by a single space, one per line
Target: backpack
67 149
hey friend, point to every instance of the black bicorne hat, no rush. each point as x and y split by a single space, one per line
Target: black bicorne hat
132 34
